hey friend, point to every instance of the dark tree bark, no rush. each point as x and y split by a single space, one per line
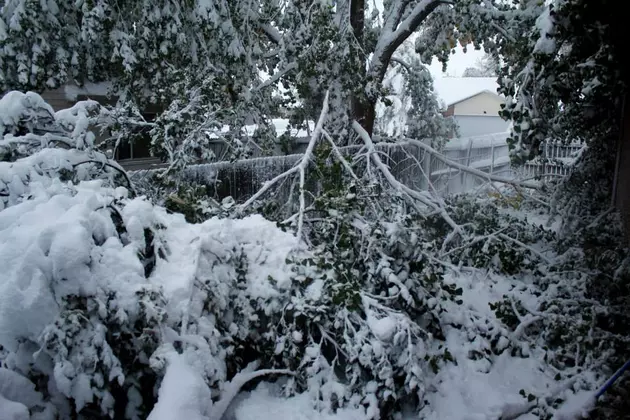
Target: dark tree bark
363 106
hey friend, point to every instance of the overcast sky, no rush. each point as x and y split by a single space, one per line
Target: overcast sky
457 63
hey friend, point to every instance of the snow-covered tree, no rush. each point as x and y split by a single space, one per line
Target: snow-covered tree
487 66
202 60
566 82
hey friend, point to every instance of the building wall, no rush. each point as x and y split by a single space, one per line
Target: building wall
476 125
484 103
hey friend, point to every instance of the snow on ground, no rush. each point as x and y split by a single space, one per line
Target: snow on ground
264 404
468 390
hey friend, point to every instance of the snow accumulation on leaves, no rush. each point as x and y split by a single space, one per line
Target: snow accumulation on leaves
110 306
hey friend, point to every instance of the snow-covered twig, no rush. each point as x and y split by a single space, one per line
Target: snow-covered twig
527 247
399 186
467 169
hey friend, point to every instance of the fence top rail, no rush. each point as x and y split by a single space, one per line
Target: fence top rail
478 142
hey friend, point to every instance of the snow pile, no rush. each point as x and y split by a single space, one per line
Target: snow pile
112 307
577 406
183 394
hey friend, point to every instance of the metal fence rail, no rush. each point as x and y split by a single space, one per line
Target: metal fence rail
411 165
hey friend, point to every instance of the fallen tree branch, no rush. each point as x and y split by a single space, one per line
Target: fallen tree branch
399 186
337 152
467 169
299 168
527 247
304 162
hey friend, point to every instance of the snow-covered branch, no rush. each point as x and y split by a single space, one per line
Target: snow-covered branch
468 169
272 33
299 168
277 76
234 386
527 247
413 195
393 34
305 160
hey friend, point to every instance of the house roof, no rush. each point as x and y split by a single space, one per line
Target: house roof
452 90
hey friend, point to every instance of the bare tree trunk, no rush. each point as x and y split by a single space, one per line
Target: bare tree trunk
363 110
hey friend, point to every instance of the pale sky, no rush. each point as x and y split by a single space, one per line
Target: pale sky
457 63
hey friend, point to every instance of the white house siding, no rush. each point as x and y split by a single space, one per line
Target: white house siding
485 103
476 125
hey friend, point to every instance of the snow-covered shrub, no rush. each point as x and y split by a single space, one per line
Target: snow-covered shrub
76 311
40 147
96 283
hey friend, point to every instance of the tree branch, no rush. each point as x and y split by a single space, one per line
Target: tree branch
527 247
398 186
299 168
403 63
272 33
115 166
277 76
394 35
467 169
304 162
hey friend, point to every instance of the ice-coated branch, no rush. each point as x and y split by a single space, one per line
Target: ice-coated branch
299 168
467 169
413 195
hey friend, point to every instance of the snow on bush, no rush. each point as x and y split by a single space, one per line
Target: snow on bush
110 306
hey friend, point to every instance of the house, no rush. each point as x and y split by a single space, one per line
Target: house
473 102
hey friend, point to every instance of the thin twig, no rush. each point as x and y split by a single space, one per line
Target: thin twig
397 185
467 169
